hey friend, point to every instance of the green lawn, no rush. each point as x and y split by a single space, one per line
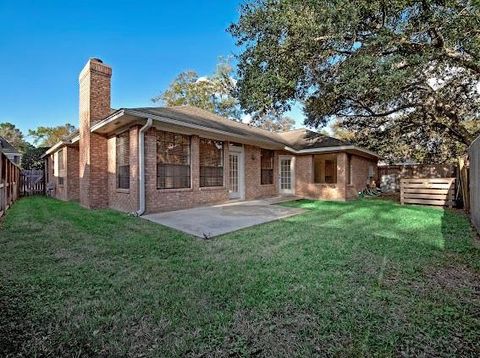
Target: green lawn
368 277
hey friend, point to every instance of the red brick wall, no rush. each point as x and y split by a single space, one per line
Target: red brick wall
174 199
123 199
94 105
60 191
253 187
69 190
304 183
72 180
360 177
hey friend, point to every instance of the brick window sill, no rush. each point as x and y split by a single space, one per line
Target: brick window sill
266 185
174 190
123 191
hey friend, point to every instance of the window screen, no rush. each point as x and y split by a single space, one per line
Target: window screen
266 166
211 163
173 160
123 160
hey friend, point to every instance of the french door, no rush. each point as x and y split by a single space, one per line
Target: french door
286 175
236 173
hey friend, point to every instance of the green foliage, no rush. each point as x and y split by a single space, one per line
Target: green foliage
49 136
31 158
362 278
213 93
402 75
273 123
13 135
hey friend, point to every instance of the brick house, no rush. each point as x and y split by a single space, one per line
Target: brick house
159 159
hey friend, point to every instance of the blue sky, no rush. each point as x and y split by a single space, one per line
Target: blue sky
44 45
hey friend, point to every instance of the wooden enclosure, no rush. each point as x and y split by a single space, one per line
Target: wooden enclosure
428 191
9 179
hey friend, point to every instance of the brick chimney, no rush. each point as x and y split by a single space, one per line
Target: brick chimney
94 81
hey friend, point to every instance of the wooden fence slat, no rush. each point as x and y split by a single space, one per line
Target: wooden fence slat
426 196
427 180
426 186
428 202
433 191
428 191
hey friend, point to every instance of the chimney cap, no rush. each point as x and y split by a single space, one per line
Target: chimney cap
96 59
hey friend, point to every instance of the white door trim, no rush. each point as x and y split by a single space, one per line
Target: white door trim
241 169
290 191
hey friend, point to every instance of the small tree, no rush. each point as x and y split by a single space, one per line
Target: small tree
13 135
49 136
31 158
213 93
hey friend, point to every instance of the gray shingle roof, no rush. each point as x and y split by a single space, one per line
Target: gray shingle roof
306 139
297 139
201 117
6 147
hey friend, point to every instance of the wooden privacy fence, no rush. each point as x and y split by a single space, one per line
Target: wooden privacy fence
474 178
389 176
9 179
32 182
431 191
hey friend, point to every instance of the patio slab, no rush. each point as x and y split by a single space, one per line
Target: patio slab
210 221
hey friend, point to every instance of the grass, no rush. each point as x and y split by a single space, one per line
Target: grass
363 278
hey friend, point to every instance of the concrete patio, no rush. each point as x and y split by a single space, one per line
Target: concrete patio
210 221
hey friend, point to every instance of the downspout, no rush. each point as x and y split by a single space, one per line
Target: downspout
141 167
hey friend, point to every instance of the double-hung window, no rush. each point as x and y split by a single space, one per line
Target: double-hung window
123 160
211 163
173 160
266 167
61 167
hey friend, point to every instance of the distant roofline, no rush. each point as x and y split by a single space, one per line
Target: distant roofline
10 149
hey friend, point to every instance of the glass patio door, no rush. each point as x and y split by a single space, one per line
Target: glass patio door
286 175
234 173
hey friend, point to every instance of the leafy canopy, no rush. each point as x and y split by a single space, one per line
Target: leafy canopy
403 76
218 94
13 135
49 136
213 93
32 157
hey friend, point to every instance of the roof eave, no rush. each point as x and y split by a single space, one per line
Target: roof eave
271 143
332 149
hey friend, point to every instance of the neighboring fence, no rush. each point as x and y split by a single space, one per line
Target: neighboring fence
474 174
9 179
32 182
433 191
389 176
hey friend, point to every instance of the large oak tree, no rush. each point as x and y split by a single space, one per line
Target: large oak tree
403 76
